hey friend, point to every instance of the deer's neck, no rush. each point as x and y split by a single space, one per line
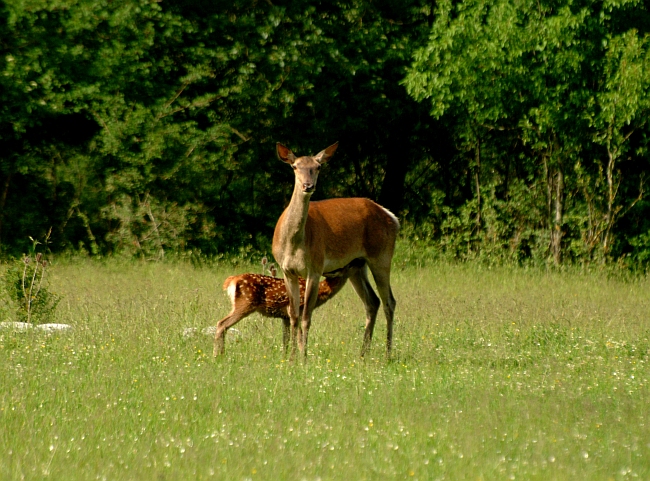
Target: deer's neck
293 228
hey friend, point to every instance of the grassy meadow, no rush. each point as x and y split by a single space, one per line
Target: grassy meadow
497 374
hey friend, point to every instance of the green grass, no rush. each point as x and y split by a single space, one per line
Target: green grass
497 374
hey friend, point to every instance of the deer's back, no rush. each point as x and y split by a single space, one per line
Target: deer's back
349 228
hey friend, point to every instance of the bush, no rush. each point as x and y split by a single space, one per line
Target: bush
25 285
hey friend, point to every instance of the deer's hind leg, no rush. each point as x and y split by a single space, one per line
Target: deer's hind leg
361 284
223 325
381 274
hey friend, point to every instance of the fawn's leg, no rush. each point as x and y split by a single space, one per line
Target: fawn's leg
223 325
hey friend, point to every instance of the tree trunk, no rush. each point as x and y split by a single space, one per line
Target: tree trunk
477 180
611 196
556 227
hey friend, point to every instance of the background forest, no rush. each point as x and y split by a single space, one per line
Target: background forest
508 130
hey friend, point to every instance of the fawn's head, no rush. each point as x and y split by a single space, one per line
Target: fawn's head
306 168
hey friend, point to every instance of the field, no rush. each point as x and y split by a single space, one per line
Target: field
496 374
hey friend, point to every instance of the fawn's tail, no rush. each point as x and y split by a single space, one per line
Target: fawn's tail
230 285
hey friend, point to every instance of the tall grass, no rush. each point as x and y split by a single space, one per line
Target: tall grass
497 374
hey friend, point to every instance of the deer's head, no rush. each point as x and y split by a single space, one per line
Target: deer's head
306 168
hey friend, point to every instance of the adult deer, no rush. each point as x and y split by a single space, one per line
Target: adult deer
267 295
314 238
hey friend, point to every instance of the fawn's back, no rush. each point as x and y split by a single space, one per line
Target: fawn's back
268 295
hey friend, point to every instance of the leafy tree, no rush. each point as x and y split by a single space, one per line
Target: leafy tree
181 104
145 127
528 80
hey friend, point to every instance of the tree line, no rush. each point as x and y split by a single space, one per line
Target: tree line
499 130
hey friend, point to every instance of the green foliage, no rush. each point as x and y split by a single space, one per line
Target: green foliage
504 130
514 76
183 103
148 228
29 292
641 253
27 289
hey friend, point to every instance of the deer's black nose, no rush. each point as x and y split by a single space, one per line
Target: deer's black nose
308 187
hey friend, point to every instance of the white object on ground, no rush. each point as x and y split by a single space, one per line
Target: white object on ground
207 331
52 327
15 326
26 326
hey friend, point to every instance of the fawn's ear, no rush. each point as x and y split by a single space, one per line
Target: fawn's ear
285 154
324 155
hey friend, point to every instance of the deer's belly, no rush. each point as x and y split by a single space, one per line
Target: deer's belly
333 263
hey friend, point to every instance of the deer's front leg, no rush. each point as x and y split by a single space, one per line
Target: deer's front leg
293 292
311 296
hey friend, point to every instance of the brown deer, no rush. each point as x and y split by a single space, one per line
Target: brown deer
313 238
267 295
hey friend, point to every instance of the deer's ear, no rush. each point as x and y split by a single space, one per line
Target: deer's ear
324 155
285 154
